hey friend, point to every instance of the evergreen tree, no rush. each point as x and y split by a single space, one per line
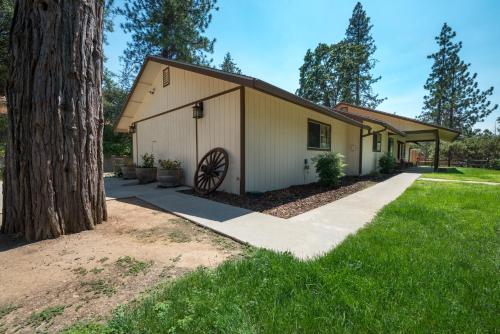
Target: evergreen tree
228 65
113 99
327 75
341 72
454 99
170 28
6 13
359 33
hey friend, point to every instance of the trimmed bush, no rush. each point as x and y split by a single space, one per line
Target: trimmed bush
330 168
387 163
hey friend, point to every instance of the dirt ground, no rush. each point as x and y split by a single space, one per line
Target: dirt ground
48 285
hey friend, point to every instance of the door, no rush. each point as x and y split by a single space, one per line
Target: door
401 150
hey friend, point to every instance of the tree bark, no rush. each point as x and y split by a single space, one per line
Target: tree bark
53 172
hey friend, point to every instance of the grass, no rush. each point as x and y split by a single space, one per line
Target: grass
429 262
179 236
132 266
6 309
80 271
466 174
46 315
99 287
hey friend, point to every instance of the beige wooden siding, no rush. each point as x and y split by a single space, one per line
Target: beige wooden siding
276 142
173 136
370 158
170 136
185 87
220 127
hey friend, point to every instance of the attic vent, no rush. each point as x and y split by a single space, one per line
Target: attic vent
166 76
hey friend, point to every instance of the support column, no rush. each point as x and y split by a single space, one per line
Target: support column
436 152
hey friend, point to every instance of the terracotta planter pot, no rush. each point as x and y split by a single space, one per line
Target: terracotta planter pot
128 172
146 175
170 177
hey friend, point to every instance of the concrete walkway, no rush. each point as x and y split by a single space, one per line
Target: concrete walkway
307 235
459 181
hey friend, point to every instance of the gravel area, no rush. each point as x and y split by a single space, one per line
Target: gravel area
294 200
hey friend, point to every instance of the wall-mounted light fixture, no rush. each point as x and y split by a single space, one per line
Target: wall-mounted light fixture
131 129
198 110
152 91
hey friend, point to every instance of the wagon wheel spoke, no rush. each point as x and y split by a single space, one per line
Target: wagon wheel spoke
203 182
211 171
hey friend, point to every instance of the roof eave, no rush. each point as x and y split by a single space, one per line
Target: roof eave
401 117
243 81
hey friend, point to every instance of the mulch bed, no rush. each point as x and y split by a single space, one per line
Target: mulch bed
294 200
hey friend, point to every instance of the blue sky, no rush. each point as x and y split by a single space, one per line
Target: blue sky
268 40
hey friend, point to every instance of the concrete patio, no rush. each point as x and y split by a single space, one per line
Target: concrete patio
306 236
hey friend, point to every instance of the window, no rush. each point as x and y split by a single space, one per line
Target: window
166 76
318 136
390 146
377 142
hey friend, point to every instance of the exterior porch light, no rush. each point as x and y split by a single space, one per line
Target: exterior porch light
131 129
198 110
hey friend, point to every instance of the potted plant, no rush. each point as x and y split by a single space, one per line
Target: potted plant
146 172
127 169
170 173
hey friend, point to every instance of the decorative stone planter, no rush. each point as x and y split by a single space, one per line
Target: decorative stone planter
128 172
145 175
170 177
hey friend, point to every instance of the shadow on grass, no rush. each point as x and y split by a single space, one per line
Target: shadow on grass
449 170
428 170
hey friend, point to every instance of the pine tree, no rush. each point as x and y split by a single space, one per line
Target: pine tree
327 75
6 13
170 28
53 180
454 98
341 72
228 65
359 33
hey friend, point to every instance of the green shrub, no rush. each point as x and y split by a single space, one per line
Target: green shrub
494 164
330 168
387 163
148 160
169 164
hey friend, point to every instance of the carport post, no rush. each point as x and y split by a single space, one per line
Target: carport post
436 152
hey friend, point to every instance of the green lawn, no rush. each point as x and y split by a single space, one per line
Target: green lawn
429 262
466 174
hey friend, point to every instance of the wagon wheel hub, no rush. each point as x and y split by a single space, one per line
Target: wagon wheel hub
211 171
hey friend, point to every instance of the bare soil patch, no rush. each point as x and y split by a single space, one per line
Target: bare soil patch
294 200
48 285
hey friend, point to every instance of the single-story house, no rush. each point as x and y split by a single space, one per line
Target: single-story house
270 135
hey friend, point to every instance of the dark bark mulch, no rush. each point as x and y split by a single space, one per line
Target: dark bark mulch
294 200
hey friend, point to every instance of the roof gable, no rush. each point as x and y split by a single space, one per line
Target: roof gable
142 82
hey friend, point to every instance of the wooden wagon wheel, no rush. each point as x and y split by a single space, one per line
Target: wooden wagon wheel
211 171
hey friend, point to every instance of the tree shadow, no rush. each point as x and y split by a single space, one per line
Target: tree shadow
449 170
11 241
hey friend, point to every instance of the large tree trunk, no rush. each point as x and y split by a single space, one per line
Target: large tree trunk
53 172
